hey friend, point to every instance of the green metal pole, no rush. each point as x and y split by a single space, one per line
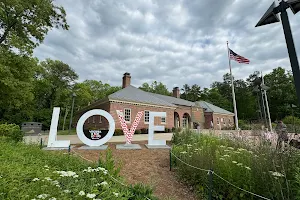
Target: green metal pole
41 143
210 184
170 161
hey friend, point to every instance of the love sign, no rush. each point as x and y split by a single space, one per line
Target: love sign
54 143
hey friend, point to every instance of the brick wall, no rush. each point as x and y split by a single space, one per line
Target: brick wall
221 124
208 118
94 121
137 108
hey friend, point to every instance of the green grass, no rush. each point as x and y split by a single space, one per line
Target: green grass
256 168
66 132
26 172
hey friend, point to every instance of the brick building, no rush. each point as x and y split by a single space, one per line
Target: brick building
131 100
220 118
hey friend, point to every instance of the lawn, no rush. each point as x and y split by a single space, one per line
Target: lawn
27 172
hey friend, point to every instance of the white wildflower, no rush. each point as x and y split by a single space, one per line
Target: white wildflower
81 193
52 198
90 196
248 168
239 164
35 179
234 162
46 166
67 191
222 146
231 148
222 159
75 176
183 152
277 174
48 179
116 194
42 196
188 145
226 150
47 169
104 183
226 155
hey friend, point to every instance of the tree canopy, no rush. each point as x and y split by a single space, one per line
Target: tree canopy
24 24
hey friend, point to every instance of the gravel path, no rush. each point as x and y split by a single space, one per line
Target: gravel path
149 166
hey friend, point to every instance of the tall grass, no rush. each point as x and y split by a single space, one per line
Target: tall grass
256 168
27 172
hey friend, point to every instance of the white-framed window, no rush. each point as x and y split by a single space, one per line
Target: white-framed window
100 119
229 121
127 114
93 119
218 120
224 121
146 116
163 120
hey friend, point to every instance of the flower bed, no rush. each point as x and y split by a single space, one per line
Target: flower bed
26 172
259 169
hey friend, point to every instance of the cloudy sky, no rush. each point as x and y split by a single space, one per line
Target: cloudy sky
172 41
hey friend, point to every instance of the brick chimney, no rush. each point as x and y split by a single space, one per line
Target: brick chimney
126 80
176 92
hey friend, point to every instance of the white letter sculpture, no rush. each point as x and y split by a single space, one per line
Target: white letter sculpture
84 117
52 139
152 128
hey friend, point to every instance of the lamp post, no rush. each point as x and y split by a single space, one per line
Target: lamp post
73 100
265 88
271 16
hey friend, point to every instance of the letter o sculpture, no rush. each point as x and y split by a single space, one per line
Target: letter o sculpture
84 117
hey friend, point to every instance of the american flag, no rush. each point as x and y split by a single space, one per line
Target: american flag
238 58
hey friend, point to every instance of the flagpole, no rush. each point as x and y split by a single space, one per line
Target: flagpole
233 93
267 104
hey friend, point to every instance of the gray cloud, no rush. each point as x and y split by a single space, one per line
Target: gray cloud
172 41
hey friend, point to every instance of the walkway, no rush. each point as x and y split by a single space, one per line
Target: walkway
75 140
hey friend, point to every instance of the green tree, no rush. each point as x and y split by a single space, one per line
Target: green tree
24 24
191 93
52 87
281 93
16 86
156 87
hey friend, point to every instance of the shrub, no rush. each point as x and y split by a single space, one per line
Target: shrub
11 131
144 131
138 131
173 129
291 120
167 130
118 132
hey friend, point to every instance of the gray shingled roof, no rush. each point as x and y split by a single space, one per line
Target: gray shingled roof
134 94
174 100
212 108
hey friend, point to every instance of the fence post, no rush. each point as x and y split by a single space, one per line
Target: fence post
210 184
69 149
170 161
41 143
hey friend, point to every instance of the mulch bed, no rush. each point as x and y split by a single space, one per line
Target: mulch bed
149 166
